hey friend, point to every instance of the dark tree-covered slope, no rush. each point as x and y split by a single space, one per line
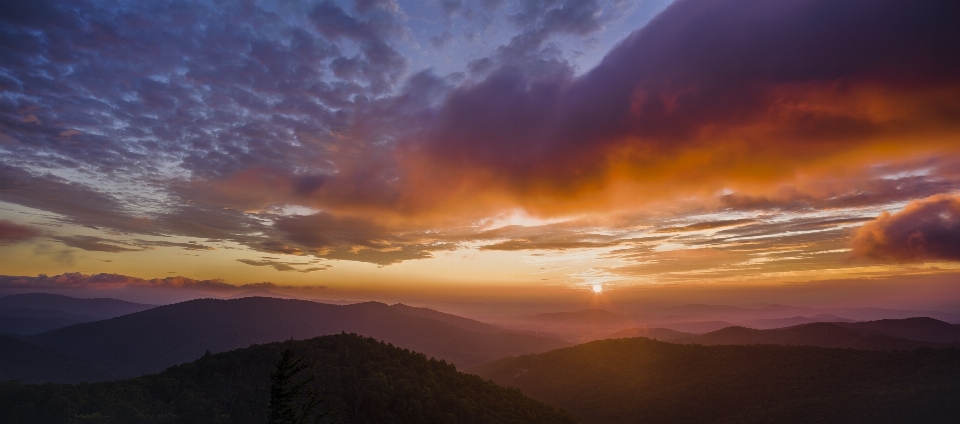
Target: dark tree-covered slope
639 380
361 380
29 363
155 339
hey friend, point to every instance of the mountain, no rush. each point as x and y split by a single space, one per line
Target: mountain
261 293
919 328
662 334
34 313
697 327
584 317
748 316
640 380
797 320
454 320
822 334
101 308
700 309
360 379
157 338
875 314
29 363
24 326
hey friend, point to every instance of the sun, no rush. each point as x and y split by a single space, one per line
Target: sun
597 288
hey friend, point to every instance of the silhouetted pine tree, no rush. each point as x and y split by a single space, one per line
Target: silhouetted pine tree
292 402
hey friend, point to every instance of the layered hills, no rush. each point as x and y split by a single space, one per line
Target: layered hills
360 380
33 313
638 380
152 340
909 333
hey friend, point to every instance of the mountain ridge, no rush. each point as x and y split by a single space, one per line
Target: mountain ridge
154 339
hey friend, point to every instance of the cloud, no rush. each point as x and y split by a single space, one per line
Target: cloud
76 202
442 40
872 189
190 245
240 114
284 266
709 225
925 230
94 244
728 93
117 281
514 245
62 256
346 238
11 232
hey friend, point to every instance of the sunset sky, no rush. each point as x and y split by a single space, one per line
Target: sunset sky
724 151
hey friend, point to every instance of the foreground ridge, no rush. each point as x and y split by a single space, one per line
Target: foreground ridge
360 379
638 380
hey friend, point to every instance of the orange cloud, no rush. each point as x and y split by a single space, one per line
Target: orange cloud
711 95
926 230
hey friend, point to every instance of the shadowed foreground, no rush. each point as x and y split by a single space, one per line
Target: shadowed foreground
639 380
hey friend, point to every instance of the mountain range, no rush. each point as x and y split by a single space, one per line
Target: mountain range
909 333
154 339
34 313
822 334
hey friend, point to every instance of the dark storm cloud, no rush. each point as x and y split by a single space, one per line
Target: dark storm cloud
233 111
11 232
926 230
716 76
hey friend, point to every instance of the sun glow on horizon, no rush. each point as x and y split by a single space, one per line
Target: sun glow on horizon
597 288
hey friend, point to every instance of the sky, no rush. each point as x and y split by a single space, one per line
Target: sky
717 151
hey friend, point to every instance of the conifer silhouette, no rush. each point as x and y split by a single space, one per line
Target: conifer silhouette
292 402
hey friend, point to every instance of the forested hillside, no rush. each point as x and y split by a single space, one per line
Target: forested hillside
360 380
30 363
639 380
